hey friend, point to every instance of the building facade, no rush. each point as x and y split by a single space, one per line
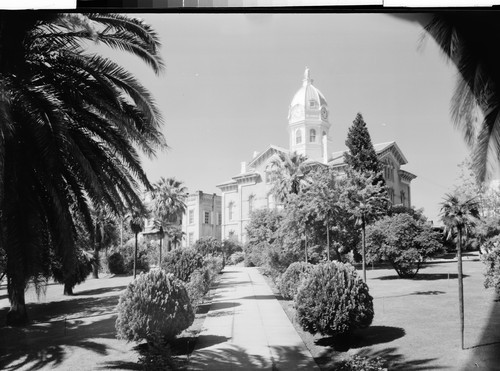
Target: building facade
309 133
203 217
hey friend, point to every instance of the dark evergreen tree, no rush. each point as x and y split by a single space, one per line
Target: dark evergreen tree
361 156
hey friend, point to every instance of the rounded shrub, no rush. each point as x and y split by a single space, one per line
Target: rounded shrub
292 278
198 285
154 307
182 262
214 263
116 263
237 257
333 300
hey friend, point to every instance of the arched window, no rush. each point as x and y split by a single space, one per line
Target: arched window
403 198
298 136
230 209
250 204
312 135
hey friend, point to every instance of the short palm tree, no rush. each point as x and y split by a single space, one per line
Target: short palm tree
459 218
168 199
290 172
71 123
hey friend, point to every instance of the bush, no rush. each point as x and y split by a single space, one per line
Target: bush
198 286
215 264
154 307
492 274
116 263
358 363
142 264
182 263
333 300
237 257
292 278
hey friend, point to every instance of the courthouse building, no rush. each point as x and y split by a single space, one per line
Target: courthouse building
308 132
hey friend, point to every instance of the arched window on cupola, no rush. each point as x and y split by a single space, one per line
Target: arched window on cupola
298 136
312 136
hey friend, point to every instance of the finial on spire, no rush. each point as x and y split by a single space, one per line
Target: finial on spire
307 77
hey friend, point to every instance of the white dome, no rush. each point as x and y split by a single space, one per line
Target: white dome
308 99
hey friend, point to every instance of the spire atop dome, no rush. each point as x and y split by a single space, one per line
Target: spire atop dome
307 77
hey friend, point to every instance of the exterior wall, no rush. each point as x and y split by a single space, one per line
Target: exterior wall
198 203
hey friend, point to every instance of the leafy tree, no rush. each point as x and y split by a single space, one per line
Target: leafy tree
361 156
291 175
459 217
366 200
208 245
262 232
404 242
71 123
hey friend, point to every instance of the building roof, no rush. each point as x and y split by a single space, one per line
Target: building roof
337 158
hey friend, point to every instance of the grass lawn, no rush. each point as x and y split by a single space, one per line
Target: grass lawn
416 323
77 332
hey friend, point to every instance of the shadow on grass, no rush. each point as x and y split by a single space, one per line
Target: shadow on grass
363 337
486 351
424 277
236 358
58 310
101 290
394 360
46 345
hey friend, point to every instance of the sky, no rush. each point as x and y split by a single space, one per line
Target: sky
230 78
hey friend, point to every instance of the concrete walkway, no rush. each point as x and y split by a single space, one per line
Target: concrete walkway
246 329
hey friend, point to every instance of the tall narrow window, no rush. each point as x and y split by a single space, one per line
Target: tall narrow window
250 204
219 218
206 217
230 210
191 216
190 239
312 136
298 136
403 198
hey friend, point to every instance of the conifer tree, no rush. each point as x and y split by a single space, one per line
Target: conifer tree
361 156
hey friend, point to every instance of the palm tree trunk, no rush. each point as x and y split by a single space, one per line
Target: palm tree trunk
161 242
135 256
16 284
95 268
460 286
68 289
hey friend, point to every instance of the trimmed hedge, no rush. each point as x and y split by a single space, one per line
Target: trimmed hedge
116 263
333 300
154 307
292 278
182 262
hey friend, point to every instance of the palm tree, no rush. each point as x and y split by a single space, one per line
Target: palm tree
71 122
469 40
366 199
291 175
459 218
136 226
168 202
